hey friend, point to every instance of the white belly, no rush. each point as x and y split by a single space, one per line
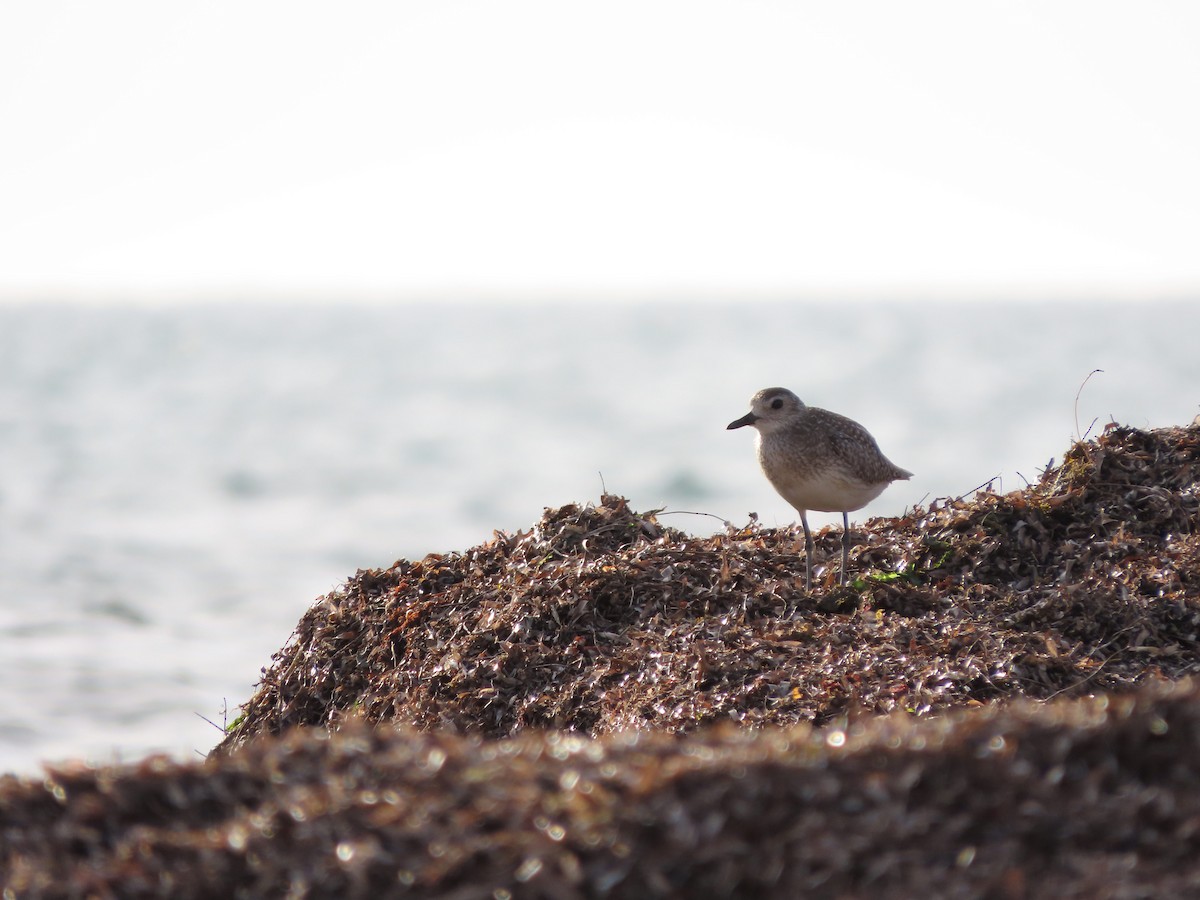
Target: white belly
831 492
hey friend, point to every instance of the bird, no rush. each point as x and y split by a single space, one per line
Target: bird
818 460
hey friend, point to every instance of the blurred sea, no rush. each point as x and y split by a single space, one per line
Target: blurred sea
179 483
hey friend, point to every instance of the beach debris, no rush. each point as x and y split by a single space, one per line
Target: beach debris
1091 797
605 707
600 619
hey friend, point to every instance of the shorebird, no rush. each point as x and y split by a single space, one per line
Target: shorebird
817 460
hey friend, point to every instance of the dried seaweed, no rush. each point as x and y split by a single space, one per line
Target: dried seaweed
600 619
1075 798
564 713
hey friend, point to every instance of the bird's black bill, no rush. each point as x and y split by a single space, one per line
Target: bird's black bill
747 419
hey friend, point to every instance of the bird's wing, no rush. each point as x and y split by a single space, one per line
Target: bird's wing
858 452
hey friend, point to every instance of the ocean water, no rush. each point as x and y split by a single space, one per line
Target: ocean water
179 483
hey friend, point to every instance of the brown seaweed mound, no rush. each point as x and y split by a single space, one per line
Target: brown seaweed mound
426 773
601 620
1075 798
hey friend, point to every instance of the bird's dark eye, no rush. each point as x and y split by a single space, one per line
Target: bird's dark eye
777 403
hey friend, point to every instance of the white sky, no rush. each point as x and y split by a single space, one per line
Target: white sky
640 146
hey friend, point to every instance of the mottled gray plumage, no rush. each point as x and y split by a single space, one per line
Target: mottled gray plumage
817 459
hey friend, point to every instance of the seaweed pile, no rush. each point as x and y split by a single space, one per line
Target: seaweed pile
600 619
1074 798
606 707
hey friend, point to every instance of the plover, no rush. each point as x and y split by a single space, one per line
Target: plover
818 460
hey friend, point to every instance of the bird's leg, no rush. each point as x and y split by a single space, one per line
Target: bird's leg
845 547
808 552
